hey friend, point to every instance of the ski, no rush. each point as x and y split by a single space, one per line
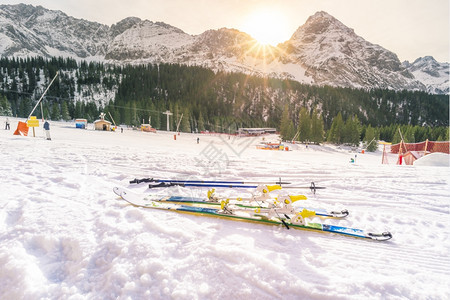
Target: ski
246 203
298 221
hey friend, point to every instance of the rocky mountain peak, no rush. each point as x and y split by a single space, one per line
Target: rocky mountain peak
147 40
322 51
424 63
224 37
320 24
123 25
433 74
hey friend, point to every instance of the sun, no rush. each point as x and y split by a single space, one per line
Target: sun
267 27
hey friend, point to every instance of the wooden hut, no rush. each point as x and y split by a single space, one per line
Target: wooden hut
102 124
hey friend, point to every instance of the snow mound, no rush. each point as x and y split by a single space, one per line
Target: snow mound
434 159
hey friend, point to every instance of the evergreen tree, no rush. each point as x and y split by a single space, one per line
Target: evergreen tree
134 114
78 110
56 112
337 130
65 111
408 135
175 118
5 107
25 107
352 130
125 115
200 122
304 125
155 117
370 142
46 112
396 138
185 126
316 128
287 130
443 135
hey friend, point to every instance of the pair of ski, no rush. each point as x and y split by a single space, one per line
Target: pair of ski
260 198
281 212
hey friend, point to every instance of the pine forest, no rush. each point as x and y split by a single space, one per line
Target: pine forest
202 100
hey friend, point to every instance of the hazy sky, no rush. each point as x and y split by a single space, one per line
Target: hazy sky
409 28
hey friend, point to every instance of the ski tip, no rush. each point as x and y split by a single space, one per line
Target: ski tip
119 191
380 236
339 214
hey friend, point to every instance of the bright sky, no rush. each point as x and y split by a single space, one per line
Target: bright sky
409 28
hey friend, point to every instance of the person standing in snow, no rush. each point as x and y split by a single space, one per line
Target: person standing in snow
47 130
7 124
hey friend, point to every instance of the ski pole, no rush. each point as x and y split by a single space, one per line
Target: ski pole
205 181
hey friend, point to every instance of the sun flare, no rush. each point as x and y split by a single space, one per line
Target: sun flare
267 27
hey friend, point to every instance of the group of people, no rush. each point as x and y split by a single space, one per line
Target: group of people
46 128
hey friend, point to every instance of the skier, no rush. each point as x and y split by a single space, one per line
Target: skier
7 124
198 140
47 130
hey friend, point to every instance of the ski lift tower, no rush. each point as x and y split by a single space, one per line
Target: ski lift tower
168 113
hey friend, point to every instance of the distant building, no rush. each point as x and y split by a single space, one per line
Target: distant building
81 123
256 131
102 124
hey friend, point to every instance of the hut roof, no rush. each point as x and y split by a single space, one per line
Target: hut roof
104 121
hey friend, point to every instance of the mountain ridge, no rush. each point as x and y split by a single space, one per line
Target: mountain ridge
323 51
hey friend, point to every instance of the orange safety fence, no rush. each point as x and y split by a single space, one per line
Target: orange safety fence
427 146
22 129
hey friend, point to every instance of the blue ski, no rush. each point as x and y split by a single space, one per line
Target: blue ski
197 200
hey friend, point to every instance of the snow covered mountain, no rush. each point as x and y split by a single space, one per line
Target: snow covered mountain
433 74
334 55
323 51
27 30
148 41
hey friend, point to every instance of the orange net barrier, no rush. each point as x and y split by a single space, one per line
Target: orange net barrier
427 146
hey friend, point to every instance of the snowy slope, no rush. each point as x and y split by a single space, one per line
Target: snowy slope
64 234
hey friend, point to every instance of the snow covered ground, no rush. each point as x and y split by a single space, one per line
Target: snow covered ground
64 234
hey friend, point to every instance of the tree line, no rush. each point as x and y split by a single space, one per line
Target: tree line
203 100
351 132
